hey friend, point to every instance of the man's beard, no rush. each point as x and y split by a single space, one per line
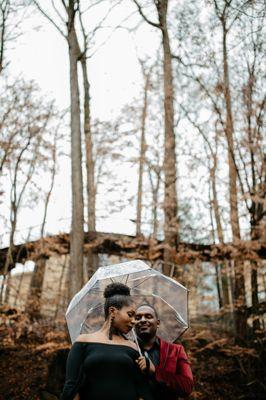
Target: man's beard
144 336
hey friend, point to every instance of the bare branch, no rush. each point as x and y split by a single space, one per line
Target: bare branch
49 18
156 25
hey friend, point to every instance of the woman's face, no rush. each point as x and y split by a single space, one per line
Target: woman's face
124 318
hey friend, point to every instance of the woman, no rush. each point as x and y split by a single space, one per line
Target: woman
103 365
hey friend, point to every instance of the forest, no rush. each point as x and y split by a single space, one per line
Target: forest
133 130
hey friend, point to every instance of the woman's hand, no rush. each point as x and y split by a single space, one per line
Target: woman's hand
142 363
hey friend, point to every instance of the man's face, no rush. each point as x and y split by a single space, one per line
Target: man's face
146 322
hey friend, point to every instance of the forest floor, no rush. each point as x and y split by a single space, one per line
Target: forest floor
33 357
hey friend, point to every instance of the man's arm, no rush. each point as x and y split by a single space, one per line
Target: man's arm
180 380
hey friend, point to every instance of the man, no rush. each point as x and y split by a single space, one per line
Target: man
166 363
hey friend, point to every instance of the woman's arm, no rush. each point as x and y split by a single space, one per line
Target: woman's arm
74 372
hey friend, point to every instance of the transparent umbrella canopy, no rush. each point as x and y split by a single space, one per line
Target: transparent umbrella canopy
85 313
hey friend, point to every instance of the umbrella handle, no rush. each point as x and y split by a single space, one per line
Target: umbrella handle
136 341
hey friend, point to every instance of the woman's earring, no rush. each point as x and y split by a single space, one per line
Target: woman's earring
111 328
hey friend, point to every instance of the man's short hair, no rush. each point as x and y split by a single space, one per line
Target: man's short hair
149 305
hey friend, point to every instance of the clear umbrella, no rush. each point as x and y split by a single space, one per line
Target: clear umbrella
85 312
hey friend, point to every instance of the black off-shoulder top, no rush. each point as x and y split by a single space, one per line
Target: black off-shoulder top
102 371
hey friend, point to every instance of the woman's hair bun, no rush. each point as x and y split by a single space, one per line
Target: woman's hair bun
116 288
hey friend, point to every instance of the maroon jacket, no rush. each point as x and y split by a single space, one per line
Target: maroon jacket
174 371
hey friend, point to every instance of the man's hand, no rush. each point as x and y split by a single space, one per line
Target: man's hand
142 363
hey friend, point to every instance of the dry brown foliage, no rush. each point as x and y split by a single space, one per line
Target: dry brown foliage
33 357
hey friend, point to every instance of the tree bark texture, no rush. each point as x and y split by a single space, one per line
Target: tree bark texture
170 194
239 289
142 153
89 150
224 301
77 225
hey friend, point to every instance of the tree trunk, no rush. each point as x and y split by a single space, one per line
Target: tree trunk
170 194
155 196
239 292
77 225
142 154
4 11
255 235
89 151
218 285
92 258
217 266
229 131
257 193
222 268
171 236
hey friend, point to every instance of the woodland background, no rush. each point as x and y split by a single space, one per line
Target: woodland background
180 165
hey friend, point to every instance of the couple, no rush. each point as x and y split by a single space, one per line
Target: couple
105 365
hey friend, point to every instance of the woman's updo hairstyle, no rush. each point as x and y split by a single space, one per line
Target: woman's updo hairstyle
116 295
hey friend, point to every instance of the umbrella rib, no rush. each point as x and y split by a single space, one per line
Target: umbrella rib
133 287
127 278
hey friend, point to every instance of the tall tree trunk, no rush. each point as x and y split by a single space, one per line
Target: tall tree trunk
77 224
216 209
89 151
239 292
92 258
257 192
211 208
171 236
170 194
229 131
142 153
257 212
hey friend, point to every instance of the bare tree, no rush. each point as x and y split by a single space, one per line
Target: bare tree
228 13
218 71
250 147
24 156
77 226
170 199
223 286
